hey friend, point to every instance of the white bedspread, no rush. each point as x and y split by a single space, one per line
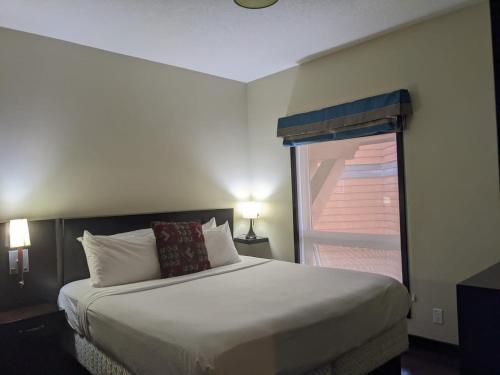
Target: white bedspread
253 317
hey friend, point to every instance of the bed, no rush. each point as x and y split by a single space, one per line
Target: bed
257 316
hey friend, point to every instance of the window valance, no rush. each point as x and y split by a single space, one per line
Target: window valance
371 116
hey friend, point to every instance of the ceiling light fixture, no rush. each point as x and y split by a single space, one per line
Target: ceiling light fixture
255 4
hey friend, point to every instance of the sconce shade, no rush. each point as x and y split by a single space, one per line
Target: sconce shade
19 233
250 210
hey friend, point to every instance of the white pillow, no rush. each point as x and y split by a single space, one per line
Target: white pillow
220 246
141 233
135 234
114 261
211 224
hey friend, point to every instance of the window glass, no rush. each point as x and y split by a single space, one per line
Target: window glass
349 204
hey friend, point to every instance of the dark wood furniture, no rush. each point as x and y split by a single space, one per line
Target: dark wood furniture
478 300
495 38
258 247
30 341
243 239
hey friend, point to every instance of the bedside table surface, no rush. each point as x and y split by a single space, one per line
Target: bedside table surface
487 279
27 312
242 239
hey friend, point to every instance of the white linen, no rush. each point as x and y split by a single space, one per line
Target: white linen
135 234
148 232
130 257
210 224
361 360
113 260
71 295
220 246
252 317
68 298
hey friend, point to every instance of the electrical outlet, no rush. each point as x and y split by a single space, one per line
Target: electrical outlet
437 316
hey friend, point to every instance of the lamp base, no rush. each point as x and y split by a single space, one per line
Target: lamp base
251 234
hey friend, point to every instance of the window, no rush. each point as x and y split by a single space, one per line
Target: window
349 205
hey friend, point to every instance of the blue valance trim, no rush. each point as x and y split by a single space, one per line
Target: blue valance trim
375 115
388 127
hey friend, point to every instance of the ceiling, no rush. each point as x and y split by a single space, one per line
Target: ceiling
216 36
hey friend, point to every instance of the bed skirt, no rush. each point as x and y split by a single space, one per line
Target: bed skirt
359 361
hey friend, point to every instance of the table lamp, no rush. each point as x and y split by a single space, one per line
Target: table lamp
251 210
19 239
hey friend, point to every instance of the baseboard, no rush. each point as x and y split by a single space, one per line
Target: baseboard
433 345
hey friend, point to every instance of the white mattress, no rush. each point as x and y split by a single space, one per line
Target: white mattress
256 316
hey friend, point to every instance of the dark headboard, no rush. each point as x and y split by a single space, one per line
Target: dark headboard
72 261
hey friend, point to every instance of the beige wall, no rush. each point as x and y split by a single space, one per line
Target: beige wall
450 147
87 132
268 99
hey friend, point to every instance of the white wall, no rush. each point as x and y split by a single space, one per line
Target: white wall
450 147
87 132
269 161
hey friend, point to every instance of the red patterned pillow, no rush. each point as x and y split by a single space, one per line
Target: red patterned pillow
181 248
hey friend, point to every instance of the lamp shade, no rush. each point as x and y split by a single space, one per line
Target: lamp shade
250 210
19 233
255 4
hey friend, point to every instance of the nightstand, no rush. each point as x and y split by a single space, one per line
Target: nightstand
478 305
256 248
30 341
243 239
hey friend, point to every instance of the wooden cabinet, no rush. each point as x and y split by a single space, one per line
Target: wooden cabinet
30 342
478 300
258 247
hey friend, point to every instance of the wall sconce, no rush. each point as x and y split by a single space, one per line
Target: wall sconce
250 210
19 239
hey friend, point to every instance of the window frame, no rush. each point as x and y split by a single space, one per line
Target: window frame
402 208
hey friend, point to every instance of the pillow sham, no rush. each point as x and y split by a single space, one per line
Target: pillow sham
211 224
181 248
148 232
114 261
220 246
135 234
